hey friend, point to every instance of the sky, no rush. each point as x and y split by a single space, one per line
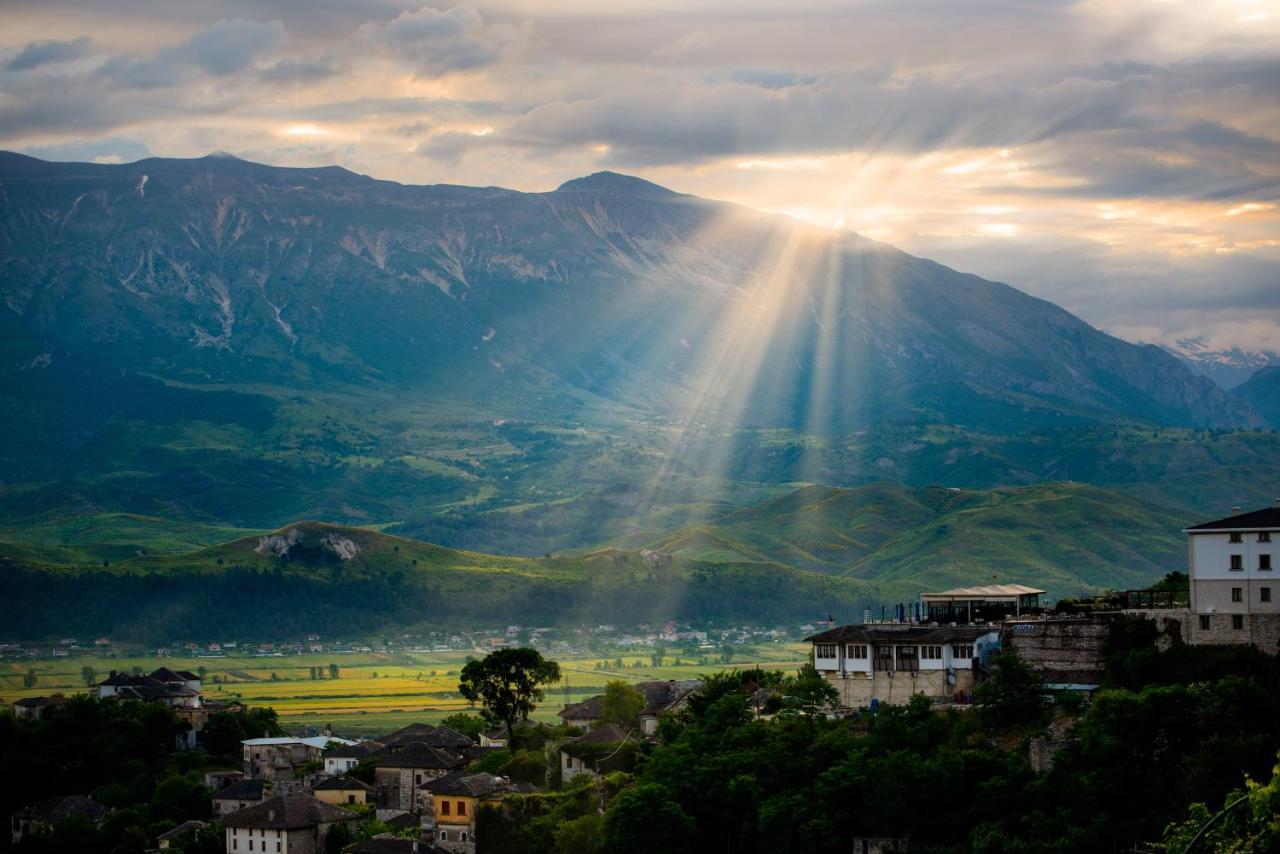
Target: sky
1118 157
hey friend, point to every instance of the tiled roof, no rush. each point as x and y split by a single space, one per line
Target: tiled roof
1266 518
242 790
900 633
466 784
989 591
658 697
343 783
354 751
418 755
181 830
288 812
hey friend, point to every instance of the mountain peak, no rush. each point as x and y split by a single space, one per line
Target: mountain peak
612 182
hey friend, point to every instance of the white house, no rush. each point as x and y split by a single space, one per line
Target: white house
891 662
1235 595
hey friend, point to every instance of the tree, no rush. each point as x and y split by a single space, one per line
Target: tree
622 704
579 836
646 819
338 837
1014 694
469 725
333 671
29 679
89 675
1248 821
507 683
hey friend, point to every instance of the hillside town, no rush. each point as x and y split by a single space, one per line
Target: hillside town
423 787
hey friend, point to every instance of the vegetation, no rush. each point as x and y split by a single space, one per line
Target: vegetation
508 683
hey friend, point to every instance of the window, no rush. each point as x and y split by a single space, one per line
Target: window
417 778
462 807
1264 536
462 837
824 650
962 650
1237 561
931 652
277 845
1204 622
444 807
1236 537
250 844
1237 594
351 799
1237 622
1264 561
1264 593
857 650
235 843
444 836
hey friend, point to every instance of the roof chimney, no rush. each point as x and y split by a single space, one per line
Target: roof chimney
1235 511
271 815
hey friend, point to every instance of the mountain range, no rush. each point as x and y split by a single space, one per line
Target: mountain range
193 348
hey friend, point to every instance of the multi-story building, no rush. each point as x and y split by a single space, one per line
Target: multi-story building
288 824
892 662
1235 593
276 758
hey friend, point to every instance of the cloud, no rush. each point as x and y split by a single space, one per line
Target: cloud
220 49
35 54
771 78
299 71
436 42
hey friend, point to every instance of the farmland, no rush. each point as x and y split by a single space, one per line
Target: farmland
374 692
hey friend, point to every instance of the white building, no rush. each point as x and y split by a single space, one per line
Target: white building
1235 596
891 662
289 824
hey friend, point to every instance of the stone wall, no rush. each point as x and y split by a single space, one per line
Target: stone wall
1060 650
858 690
1261 630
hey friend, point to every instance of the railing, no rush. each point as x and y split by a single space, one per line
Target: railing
1153 599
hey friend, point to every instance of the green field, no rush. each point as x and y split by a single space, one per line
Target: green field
408 687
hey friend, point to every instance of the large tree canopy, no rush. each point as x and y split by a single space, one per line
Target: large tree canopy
507 683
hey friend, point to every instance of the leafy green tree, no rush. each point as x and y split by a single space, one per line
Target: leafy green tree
508 684
29 679
1014 695
1249 821
646 820
580 835
338 838
469 725
89 675
333 671
622 704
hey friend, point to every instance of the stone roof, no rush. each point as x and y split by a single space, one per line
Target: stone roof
432 736
466 784
658 697
905 633
288 812
64 807
242 790
181 830
385 843
418 755
355 751
343 783
1267 518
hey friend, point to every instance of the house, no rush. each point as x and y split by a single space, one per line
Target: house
180 690
275 758
289 824
496 738
222 778
452 801
167 838
969 604
33 818
399 775
659 697
238 795
892 662
601 751
343 758
342 790
1235 597
32 708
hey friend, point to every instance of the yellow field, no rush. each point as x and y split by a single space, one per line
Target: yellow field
407 687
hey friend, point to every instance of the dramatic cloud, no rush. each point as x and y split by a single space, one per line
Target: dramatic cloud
1117 156
40 53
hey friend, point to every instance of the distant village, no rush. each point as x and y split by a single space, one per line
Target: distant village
422 780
